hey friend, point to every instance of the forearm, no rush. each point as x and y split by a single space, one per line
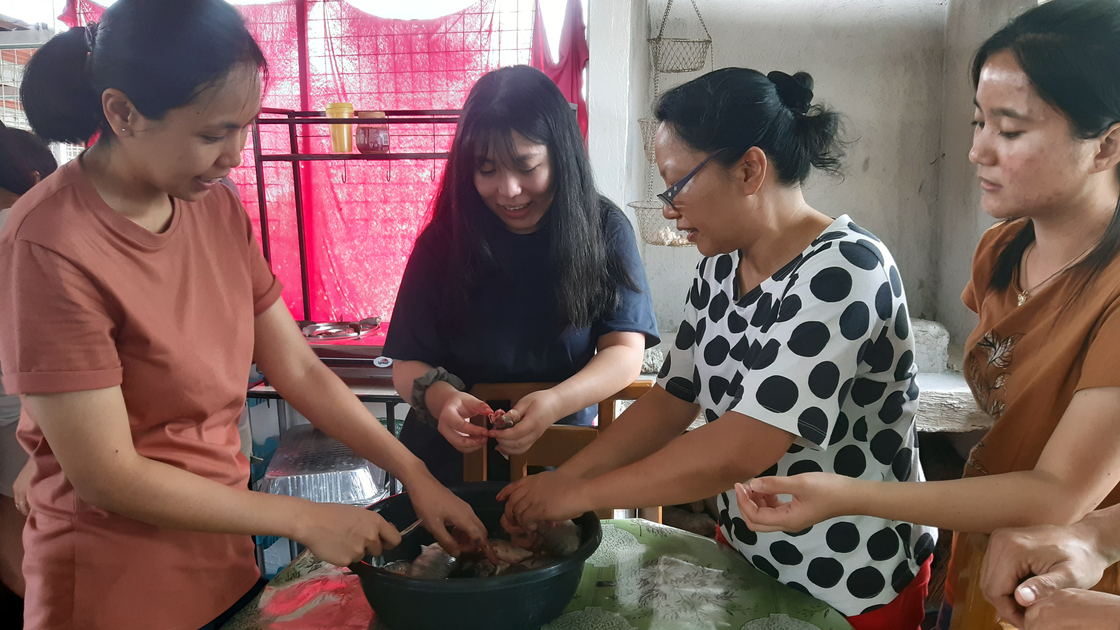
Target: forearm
975 504
608 372
329 404
166 496
696 465
405 374
650 423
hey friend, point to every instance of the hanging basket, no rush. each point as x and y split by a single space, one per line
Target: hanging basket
677 54
649 130
655 228
674 54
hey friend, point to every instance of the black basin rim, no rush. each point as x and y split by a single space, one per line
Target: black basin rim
587 547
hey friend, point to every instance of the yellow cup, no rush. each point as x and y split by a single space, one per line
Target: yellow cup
342 138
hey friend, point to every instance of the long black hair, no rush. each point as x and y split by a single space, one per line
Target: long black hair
160 53
24 160
589 275
734 109
1070 51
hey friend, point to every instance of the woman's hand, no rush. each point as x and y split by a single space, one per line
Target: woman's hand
547 496
1025 566
439 507
20 486
538 410
344 534
1073 609
455 422
816 498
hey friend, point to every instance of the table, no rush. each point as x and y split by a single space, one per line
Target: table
644 576
375 390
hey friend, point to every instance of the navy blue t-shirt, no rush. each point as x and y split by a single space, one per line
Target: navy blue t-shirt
511 332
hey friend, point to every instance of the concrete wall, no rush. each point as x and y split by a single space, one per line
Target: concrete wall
961 221
897 70
878 62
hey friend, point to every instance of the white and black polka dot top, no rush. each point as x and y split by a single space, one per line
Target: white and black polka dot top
821 349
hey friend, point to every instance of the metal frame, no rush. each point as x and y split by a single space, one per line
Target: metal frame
291 118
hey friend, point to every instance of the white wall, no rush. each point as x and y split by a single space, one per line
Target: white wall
617 75
878 62
961 221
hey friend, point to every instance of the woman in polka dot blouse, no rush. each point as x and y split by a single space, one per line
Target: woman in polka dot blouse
1046 289
796 347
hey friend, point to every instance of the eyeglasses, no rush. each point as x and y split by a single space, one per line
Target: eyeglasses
669 195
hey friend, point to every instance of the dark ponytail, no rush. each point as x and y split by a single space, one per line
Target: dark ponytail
57 94
1070 50
739 108
160 53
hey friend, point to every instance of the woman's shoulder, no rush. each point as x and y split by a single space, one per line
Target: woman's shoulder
849 247
613 218
52 213
994 240
1003 231
433 237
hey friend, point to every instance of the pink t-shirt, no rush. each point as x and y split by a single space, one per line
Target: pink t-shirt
90 300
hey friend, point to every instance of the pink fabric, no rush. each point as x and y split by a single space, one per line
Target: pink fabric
567 71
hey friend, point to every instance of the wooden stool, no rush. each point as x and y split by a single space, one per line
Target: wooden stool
558 443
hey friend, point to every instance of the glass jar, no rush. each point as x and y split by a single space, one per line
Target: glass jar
372 137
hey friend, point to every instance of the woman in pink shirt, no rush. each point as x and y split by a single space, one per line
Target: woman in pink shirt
133 299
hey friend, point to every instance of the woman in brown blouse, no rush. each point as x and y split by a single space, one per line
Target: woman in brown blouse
1046 287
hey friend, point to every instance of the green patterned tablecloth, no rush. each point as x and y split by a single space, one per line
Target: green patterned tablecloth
644 576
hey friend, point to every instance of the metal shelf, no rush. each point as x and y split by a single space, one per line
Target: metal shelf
291 118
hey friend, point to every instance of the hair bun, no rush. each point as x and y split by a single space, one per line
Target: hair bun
795 91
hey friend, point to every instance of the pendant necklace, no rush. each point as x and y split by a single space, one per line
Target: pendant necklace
1025 294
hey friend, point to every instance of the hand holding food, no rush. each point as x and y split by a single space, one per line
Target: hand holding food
440 508
344 534
455 422
547 496
532 415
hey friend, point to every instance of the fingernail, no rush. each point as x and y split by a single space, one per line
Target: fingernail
740 489
1026 594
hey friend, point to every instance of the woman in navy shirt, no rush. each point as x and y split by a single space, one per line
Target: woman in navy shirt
525 274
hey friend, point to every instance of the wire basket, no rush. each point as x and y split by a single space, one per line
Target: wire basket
649 130
654 227
678 54
675 54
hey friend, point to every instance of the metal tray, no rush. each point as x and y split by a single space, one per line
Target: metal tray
312 465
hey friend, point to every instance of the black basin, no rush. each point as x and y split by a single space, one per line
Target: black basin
522 601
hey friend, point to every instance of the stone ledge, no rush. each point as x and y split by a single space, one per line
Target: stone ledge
946 405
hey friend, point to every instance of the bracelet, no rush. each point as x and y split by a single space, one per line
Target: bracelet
420 390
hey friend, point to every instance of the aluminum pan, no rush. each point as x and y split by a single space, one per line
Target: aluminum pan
312 465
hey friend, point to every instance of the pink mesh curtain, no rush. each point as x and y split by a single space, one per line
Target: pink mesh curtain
362 217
